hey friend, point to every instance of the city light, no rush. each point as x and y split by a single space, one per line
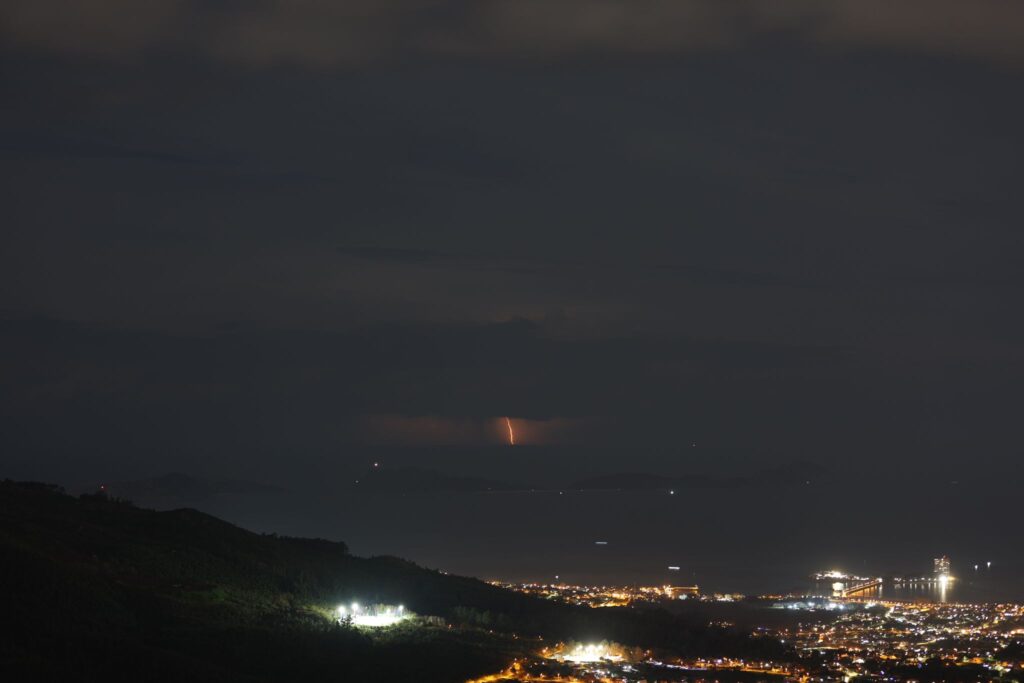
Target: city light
862 637
603 596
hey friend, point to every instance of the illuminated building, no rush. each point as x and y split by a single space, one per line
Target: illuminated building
942 566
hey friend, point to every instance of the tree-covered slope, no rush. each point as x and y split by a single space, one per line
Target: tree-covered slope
96 588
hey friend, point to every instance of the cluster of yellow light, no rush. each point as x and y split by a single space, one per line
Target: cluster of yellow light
602 596
516 672
913 633
592 661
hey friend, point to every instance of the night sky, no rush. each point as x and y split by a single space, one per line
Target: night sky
245 235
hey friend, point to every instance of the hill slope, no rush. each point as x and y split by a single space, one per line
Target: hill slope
95 588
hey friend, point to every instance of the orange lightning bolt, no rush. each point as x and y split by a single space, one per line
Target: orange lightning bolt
511 434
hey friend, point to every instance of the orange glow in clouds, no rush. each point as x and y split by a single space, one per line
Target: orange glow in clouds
493 430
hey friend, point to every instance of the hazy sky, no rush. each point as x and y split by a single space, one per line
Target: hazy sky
791 227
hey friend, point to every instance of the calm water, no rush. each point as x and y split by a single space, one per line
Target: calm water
871 521
980 586
750 541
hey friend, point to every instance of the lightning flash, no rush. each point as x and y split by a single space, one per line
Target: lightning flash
511 434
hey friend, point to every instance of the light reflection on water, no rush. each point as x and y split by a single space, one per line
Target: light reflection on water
969 589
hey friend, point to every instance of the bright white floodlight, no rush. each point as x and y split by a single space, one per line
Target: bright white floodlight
377 616
588 653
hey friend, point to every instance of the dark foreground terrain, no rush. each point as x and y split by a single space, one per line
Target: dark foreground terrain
94 588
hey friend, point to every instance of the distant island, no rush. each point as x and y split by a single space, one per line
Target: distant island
421 480
386 479
796 473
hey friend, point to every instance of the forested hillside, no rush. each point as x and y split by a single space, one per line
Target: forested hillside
97 588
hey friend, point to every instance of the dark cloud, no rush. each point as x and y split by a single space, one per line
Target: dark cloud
247 388
273 237
302 381
741 279
319 33
694 274
396 255
276 223
31 144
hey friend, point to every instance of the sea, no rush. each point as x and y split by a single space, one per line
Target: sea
754 539
871 518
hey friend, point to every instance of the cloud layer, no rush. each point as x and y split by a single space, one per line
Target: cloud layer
322 33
